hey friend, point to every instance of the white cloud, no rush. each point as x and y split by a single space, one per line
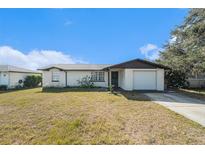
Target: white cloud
35 58
150 51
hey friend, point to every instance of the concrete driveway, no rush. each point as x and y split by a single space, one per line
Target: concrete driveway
191 108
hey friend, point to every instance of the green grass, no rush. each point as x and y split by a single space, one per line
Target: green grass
72 116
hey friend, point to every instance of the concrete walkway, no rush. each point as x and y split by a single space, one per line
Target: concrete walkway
191 108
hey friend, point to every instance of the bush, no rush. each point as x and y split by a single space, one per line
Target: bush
111 88
32 81
86 82
3 87
176 79
18 87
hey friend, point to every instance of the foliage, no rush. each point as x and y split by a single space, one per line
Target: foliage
86 82
176 79
32 81
186 51
111 88
18 86
3 87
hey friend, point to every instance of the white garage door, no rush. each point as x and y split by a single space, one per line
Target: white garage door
145 80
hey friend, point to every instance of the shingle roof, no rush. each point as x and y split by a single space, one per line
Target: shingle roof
76 66
10 68
135 64
138 64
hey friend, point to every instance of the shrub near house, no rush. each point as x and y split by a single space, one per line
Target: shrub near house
176 79
32 81
86 82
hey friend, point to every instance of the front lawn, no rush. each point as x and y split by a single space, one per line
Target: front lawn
92 117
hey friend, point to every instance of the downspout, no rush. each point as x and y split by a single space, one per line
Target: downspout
66 79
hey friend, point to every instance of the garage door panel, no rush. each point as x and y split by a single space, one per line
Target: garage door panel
144 80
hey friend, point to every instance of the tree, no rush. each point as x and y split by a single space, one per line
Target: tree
186 53
176 78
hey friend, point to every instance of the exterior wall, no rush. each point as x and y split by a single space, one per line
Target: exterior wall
47 79
122 79
72 78
160 79
196 83
14 78
4 78
127 80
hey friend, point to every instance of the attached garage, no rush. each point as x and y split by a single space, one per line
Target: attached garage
140 74
144 80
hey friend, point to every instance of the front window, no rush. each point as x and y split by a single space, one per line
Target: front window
55 76
98 76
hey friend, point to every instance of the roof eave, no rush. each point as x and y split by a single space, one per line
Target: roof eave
116 66
47 69
24 72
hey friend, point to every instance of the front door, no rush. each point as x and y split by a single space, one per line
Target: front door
114 79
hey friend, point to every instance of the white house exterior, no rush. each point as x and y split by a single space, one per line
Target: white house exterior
69 74
131 75
10 75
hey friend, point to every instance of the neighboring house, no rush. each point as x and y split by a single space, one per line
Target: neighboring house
131 75
197 80
10 75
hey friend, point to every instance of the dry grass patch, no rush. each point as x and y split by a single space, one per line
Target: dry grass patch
93 117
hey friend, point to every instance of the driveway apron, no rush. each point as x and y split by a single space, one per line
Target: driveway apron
190 108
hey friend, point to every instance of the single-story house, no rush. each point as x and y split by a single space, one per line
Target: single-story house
135 74
10 75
